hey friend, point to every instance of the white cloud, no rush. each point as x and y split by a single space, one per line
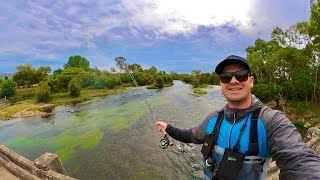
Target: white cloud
38 29
180 16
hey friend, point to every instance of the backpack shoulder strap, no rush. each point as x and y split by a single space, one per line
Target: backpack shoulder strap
217 126
254 145
211 139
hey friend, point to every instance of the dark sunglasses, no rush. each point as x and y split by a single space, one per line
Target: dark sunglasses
241 76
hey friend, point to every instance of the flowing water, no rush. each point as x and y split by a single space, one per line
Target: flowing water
115 137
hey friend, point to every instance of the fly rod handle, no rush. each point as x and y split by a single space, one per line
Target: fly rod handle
165 142
168 139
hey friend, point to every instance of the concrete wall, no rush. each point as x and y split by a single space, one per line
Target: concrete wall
48 166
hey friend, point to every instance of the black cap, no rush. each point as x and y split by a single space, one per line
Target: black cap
231 60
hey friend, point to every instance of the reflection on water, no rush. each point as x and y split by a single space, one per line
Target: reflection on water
114 137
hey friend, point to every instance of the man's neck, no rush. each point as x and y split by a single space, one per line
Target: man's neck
241 105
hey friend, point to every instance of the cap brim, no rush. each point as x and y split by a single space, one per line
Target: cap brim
227 62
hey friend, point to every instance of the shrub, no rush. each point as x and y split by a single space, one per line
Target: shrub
54 85
266 92
159 83
43 94
74 87
112 82
8 88
199 91
100 83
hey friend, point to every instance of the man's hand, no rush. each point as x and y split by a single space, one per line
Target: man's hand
161 125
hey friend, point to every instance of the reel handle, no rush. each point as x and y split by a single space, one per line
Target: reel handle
165 142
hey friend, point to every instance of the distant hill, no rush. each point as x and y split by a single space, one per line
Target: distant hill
3 75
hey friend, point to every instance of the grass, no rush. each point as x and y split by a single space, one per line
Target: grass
9 111
203 86
152 86
299 107
315 108
24 94
24 100
199 91
86 94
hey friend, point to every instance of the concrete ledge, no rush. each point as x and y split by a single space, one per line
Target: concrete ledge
48 166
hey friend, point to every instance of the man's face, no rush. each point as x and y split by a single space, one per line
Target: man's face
237 92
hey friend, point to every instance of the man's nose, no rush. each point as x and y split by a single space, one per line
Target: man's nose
234 80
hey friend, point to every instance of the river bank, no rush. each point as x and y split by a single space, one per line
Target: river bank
29 107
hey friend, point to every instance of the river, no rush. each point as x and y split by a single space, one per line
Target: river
115 137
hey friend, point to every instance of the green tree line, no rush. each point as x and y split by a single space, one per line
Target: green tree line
77 75
287 65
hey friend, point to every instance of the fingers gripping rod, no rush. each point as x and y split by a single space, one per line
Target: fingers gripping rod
164 143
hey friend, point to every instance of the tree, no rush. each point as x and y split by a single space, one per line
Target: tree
314 47
303 85
159 83
97 71
260 58
196 78
85 78
42 72
266 92
101 82
25 75
121 62
54 84
295 36
113 70
112 82
78 62
152 70
135 67
58 71
8 88
74 87
43 94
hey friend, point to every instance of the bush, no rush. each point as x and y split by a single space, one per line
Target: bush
199 91
159 82
141 78
43 94
54 85
8 88
265 92
152 86
203 86
74 87
125 78
167 79
100 83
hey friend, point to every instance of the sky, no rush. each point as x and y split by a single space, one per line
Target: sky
173 35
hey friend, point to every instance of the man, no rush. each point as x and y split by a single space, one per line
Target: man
239 140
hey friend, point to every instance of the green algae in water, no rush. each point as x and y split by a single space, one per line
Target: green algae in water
66 153
91 139
84 130
81 114
23 142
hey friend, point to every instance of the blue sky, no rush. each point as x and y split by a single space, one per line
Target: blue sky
173 35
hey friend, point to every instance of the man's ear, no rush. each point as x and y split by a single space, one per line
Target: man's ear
251 79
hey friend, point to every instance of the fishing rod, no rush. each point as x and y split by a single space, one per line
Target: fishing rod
165 142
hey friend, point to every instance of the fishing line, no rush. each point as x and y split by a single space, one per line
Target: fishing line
165 142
